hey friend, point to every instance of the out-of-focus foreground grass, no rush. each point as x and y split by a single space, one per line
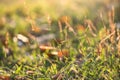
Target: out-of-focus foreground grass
65 39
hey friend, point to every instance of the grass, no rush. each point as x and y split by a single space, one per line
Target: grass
83 47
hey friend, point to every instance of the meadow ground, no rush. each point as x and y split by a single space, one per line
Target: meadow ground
59 40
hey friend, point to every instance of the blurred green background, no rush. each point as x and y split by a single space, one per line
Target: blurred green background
55 8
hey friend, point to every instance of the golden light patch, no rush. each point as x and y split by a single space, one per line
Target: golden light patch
80 28
65 19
